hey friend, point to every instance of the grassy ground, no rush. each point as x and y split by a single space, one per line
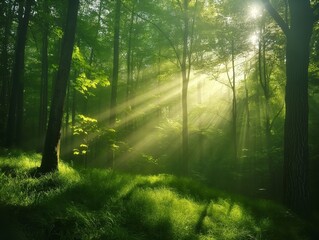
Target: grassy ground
103 204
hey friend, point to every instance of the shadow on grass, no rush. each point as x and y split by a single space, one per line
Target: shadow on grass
103 204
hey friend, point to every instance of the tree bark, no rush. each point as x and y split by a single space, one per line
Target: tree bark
234 102
115 62
6 12
43 116
15 115
296 187
185 81
115 76
129 55
50 156
298 35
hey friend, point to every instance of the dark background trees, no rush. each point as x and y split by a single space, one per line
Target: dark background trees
15 112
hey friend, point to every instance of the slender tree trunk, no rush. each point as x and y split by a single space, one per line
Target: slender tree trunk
115 75
67 112
247 103
264 83
234 109
50 156
15 115
96 33
116 56
185 81
44 80
4 68
200 126
129 56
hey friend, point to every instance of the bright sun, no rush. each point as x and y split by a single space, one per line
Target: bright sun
255 11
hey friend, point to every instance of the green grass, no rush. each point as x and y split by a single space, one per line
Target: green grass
103 204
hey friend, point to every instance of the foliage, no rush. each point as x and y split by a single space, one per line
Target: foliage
85 129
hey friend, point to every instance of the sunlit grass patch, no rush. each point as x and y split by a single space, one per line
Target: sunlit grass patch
164 213
226 219
20 186
105 204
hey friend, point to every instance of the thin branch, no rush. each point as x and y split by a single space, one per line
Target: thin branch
275 117
190 52
275 15
229 79
161 31
216 76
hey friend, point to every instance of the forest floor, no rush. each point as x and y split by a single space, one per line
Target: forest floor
105 204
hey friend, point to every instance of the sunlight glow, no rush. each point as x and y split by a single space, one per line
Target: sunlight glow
157 129
255 11
159 112
254 39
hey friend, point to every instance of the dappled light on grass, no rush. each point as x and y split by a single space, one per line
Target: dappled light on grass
165 211
164 208
100 204
22 187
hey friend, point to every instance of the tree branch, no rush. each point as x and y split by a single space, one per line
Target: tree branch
161 31
275 117
275 15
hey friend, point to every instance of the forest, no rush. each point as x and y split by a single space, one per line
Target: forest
159 119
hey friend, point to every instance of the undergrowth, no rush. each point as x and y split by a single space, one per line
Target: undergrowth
104 204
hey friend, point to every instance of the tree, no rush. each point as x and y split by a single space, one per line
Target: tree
298 34
50 155
116 56
185 70
184 59
15 115
44 76
231 33
6 18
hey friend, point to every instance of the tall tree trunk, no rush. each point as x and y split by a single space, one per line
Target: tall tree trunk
44 79
247 103
296 187
129 55
234 103
50 156
116 56
115 75
15 115
201 135
296 159
97 32
264 83
4 67
185 81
